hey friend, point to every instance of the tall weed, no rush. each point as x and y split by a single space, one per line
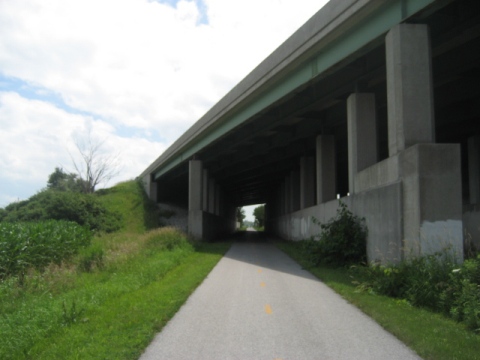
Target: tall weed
431 282
37 244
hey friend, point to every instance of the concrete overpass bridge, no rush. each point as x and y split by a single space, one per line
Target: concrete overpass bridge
373 101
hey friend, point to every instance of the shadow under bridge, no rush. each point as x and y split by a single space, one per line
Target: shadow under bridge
363 99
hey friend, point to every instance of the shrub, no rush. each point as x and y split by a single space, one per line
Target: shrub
427 278
462 298
343 239
84 209
386 280
466 305
431 282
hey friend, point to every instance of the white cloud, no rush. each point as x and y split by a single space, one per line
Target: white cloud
138 67
42 137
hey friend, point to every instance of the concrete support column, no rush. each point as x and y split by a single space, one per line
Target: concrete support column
430 173
288 202
217 200
326 168
195 187
205 190
362 135
307 182
195 198
211 196
295 191
409 87
153 191
150 187
281 195
474 169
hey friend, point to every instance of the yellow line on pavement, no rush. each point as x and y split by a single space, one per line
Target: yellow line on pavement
268 309
262 284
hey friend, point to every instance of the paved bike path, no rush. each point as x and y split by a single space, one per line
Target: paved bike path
257 303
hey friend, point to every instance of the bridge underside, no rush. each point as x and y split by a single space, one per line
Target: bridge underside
393 129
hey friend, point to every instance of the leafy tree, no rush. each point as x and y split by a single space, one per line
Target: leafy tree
240 216
84 209
60 180
63 200
259 213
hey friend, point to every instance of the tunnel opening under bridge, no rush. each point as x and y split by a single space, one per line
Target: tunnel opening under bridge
338 117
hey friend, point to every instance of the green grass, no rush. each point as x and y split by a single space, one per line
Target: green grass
112 308
126 321
36 244
431 335
129 200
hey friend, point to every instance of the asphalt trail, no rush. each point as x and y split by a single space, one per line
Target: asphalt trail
257 303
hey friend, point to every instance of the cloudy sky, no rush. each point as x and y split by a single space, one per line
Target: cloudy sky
135 74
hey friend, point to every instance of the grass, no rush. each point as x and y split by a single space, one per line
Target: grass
111 309
431 335
124 323
129 200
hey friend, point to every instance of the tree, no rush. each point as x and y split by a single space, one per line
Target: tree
96 166
60 180
259 213
63 200
240 215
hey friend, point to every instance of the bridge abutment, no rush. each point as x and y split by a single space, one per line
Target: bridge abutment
412 199
347 109
209 213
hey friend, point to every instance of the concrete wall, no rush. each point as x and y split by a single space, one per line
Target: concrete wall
173 215
149 186
411 203
382 212
299 225
208 227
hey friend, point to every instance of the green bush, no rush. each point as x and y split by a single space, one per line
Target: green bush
84 209
37 244
431 282
462 297
343 240
385 280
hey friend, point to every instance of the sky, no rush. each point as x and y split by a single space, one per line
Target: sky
132 75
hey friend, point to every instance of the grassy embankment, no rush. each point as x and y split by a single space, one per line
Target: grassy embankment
431 335
108 301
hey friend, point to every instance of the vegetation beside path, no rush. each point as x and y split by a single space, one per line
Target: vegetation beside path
431 335
110 299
